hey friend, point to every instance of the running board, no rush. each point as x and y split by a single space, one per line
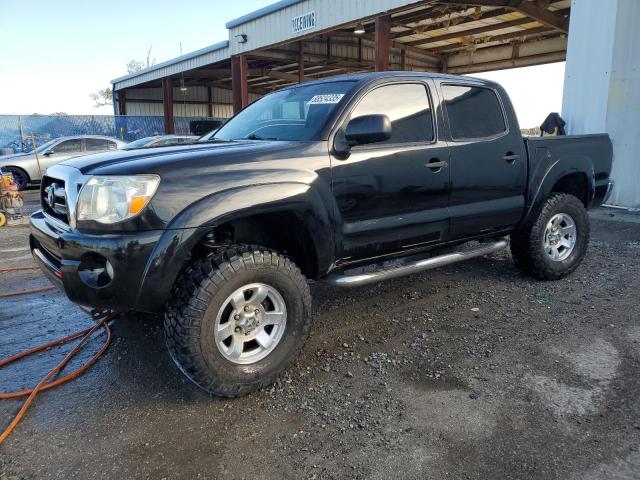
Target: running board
360 279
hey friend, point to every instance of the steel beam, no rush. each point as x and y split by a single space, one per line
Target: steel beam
382 42
122 102
529 32
300 62
239 82
544 16
167 105
473 31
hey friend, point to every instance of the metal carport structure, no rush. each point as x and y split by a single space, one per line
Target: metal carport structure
295 40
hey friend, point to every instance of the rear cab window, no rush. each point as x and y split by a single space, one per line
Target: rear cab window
473 112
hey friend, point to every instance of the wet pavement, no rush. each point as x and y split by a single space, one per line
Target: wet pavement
471 371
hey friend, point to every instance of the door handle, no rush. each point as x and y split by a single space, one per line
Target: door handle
436 165
511 157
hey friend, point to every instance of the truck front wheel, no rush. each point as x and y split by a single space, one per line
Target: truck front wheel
237 319
555 241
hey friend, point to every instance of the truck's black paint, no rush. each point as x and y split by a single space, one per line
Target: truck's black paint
349 205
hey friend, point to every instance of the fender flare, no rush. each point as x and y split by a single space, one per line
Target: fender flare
190 226
547 176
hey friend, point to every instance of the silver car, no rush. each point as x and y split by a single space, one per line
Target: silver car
24 166
161 141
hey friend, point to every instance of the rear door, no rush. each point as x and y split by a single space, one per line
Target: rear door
389 198
487 160
93 145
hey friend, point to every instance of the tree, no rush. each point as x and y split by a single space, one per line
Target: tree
102 97
105 97
137 65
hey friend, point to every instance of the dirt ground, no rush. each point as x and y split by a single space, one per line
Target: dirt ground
471 371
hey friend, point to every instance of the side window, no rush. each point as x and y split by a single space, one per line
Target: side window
406 105
99 145
68 146
474 112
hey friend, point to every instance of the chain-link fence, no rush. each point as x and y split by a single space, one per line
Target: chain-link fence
16 130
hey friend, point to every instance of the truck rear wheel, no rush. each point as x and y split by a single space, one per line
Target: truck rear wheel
555 241
237 319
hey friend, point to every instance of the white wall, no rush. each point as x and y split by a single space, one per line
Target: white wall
602 85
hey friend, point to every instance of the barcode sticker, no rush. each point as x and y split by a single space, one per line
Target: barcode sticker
326 99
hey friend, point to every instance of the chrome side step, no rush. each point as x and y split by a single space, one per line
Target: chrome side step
358 280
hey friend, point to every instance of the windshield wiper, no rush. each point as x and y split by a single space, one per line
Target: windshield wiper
213 140
254 136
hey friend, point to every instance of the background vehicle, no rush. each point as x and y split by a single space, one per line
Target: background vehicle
348 180
24 166
160 141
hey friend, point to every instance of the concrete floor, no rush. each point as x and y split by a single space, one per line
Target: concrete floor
471 371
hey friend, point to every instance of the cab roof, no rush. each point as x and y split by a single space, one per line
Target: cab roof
371 76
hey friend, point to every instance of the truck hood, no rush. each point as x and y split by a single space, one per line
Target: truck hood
191 174
194 156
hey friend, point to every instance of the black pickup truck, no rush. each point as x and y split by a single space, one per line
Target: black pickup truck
347 180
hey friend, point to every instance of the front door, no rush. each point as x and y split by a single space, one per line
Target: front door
393 195
60 152
488 162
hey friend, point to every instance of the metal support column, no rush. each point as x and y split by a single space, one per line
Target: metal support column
383 42
122 102
167 105
239 82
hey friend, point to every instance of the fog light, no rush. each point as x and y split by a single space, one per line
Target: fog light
95 271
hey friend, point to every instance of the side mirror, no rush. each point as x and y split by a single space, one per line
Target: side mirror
48 152
368 129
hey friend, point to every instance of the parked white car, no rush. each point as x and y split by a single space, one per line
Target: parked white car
24 166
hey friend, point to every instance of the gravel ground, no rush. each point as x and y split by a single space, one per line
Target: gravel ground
470 371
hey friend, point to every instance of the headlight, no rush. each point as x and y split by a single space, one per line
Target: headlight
111 199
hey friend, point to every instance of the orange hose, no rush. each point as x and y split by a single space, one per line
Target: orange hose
17 269
45 383
26 292
23 292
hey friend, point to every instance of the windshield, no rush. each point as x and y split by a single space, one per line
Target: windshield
46 145
141 142
295 114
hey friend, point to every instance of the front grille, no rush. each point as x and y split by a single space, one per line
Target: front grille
53 198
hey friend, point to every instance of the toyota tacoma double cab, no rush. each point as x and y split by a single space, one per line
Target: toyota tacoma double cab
347 180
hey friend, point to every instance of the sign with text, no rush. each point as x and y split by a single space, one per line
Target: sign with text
303 22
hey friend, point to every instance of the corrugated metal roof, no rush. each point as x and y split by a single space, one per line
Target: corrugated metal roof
274 7
157 71
444 30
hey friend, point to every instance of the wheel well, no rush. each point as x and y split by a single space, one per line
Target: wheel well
6 167
575 184
284 232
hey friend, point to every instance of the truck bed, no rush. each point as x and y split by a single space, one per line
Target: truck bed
562 155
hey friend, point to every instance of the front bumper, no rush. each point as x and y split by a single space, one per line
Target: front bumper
68 258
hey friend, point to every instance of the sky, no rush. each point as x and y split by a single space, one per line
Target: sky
53 54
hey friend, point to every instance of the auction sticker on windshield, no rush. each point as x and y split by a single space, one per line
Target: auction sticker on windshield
326 99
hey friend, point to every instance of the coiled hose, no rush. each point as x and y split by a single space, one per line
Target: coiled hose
47 383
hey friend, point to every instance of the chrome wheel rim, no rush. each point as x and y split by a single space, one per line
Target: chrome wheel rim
560 237
250 323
